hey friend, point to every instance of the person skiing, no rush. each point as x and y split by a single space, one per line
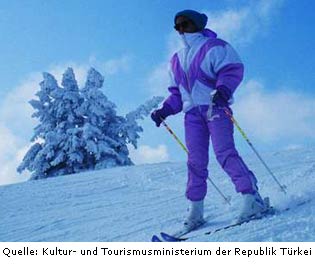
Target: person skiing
203 78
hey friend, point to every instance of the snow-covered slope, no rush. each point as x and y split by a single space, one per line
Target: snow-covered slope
132 203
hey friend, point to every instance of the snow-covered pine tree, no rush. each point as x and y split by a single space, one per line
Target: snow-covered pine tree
34 159
130 129
103 146
66 105
55 109
80 130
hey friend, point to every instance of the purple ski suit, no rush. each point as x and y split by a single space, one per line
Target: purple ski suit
205 64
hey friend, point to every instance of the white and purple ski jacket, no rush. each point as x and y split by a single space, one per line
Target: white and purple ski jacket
203 65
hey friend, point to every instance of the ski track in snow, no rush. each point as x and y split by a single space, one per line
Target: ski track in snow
133 203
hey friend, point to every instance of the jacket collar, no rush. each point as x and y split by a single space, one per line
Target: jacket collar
189 39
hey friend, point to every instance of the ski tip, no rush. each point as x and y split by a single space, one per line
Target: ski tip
170 238
155 239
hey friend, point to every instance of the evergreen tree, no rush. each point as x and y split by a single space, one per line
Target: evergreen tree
66 104
35 159
130 127
100 136
56 111
80 130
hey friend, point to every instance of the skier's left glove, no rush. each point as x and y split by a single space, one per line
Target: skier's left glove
221 97
159 115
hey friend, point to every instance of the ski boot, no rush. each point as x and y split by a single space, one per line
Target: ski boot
254 207
195 216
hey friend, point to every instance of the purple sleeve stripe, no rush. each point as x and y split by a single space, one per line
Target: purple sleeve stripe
230 76
205 79
178 72
195 69
174 101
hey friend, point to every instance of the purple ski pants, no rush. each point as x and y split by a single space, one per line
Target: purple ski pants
198 131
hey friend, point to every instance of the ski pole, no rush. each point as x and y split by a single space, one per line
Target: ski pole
186 150
282 187
174 135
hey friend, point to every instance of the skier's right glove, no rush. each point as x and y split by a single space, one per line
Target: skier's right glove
222 96
159 115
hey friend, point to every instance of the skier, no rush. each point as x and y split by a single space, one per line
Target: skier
203 77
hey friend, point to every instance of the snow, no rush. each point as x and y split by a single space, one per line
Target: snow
133 203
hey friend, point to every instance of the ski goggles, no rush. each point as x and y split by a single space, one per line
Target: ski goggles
184 24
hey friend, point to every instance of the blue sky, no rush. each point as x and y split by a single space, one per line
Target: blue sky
130 43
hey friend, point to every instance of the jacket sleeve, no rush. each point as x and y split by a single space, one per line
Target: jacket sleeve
228 68
174 100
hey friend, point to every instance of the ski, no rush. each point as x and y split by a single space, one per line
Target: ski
254 218
155 238
178 234
270 212
169 238
165 237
